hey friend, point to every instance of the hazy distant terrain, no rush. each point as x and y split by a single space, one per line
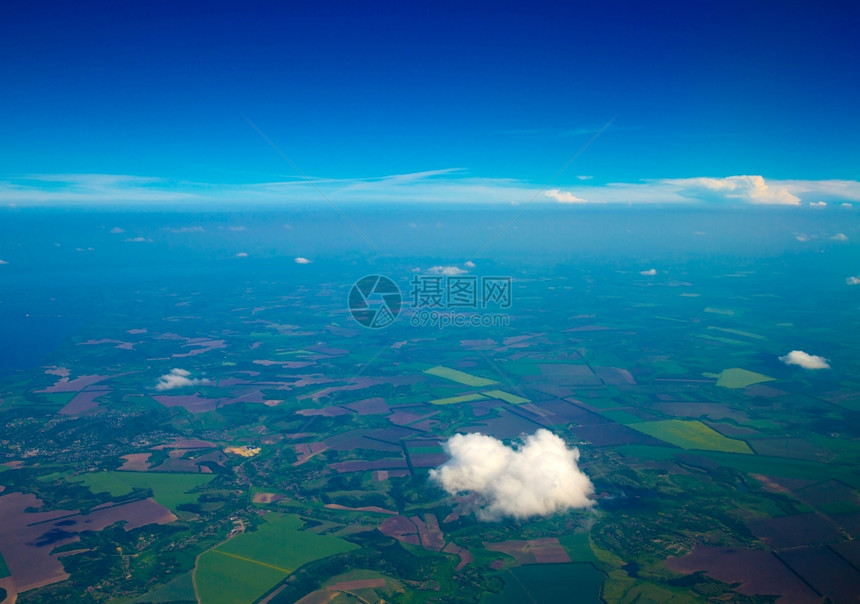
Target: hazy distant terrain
189 411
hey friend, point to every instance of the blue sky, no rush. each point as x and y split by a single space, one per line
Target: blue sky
145 101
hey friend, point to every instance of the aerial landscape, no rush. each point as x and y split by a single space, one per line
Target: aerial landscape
304 340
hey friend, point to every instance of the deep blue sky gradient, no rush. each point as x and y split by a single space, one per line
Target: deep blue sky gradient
502 90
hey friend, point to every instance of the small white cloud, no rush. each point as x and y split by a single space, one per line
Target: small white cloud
238 228
242 255
537 477
3 262
288 226
139 240
117 231
853 280
649 273
469 264
177 378
191 229
412 225
449 271
301 260
584 177
840 237
805 360
801 237
847 205
563 196
817 204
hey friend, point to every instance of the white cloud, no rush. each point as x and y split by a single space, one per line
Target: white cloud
840 237
853 280
649 273
242 255
538 477
177 378
139 240
817 204
584 177
827 190
469 264
847 205
746 189
301 260
238 228
3 262
449 271
801 236
807 361
117 231
186 229
563 196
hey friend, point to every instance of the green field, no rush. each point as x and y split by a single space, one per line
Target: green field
506 396
578 547
4 570
223 579
451 400
59 398
180 589
170 490
461 377
514 368
247 566
780 466
740 378
738 332
620 416
691 435
549 583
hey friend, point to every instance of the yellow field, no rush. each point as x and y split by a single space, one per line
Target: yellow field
506 396
457 399
689 434
245 451
461 377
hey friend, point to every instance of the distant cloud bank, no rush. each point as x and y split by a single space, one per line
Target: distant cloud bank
177 378
805 360
538 477
439 186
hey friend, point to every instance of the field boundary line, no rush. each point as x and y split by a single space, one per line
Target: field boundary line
261 563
